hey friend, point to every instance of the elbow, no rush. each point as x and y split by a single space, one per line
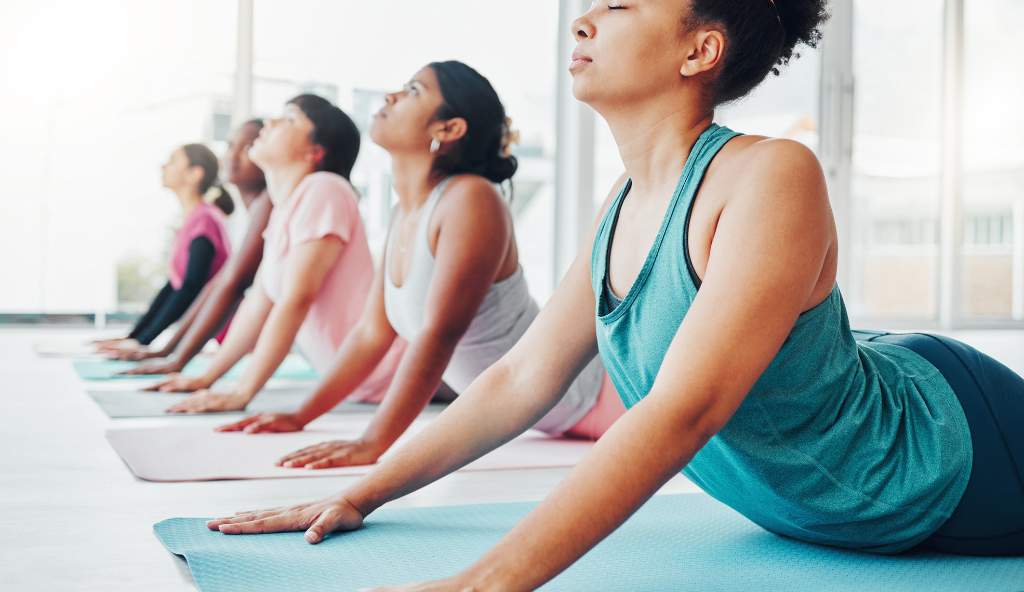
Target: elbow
704 427
701 421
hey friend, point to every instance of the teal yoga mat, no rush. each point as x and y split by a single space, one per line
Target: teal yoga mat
121 404
677 542
294 367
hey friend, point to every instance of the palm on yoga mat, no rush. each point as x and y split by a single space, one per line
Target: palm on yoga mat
197 453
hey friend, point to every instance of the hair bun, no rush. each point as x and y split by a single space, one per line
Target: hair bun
500 169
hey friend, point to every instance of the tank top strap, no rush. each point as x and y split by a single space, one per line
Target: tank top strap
704 152
423 226
674 224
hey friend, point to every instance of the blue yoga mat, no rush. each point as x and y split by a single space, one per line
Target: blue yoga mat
678 542
294 367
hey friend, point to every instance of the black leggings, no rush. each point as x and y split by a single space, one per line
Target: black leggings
990 517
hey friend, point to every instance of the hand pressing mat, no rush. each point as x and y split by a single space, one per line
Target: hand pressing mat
118 404
197 453
294 367
675 542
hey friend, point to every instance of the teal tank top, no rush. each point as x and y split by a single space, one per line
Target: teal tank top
840 442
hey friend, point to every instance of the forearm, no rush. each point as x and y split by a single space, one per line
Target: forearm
187 321
242 337
222 300
172 309
641 452
492 411
143 324
358 355
415 381
273 345
201 254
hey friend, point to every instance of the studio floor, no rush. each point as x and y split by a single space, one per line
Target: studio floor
75 518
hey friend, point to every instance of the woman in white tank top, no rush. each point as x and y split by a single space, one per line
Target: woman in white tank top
451 284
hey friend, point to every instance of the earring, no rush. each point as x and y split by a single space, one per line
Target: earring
435 145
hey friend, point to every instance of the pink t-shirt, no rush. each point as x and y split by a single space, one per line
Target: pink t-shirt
207 221
324 204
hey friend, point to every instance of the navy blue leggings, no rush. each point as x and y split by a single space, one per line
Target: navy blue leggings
990 517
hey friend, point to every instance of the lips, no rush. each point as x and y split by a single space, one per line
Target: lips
580 56
579 60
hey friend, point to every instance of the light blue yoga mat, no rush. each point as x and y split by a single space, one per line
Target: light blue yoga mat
294 367
678 542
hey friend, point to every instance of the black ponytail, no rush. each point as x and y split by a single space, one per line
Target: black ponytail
484 150
200 156
223 200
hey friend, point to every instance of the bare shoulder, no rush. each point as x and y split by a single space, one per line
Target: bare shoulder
472 194
783 171
762 159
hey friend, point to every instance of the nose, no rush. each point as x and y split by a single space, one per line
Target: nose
390 98
582 28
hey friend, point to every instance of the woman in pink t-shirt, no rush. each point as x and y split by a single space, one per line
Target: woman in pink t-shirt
316 270
200 246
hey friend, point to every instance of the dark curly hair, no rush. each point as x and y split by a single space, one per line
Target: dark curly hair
760 38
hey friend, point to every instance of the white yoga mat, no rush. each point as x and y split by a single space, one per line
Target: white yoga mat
197 453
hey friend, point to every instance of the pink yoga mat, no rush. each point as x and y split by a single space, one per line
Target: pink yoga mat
197 453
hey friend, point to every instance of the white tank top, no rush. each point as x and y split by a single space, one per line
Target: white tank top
504 315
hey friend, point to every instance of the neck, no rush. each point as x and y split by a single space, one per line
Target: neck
282 181
413 179
189 198
654 142
249 193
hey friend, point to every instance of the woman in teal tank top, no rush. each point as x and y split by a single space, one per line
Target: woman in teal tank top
712 277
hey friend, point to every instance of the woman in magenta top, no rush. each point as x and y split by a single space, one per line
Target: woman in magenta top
200 247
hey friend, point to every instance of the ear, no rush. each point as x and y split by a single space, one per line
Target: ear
449 130
705 51
316 155
194 174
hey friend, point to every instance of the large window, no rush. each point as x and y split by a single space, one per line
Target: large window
92 108
895 192
354 52
992 254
